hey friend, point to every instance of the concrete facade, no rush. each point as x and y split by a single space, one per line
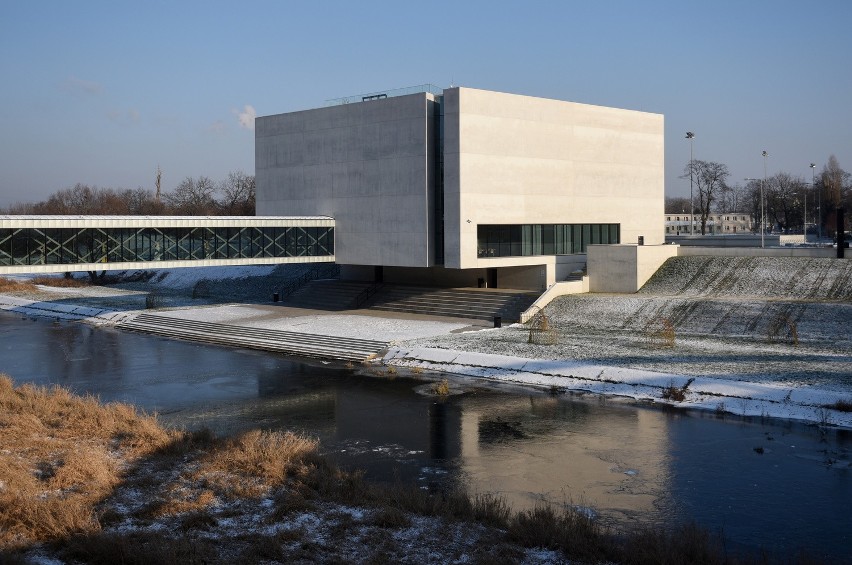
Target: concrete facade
369 165
382 168
513 159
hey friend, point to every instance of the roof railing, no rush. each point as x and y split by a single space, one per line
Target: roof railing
381 94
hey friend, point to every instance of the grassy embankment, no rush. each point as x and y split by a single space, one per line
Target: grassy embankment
9 285
82 481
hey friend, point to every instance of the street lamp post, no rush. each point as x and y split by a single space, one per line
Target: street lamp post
690 136
819 202
762 210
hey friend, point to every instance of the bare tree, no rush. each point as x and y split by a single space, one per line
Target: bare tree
751 201
783 195
676 205
238 194
709 178
193 197
834 186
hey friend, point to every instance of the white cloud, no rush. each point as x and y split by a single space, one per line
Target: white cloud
246 116
74 84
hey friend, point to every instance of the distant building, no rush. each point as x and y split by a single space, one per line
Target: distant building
728 223
465 186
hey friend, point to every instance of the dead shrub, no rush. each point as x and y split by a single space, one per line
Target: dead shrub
661 332
783 328
678 394
491 510
841 406
289 503
390 517
571 531
198 521
686 544
441 388
542 330
247 466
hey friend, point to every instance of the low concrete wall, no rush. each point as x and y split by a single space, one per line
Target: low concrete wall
554 291
567 264
747 240
685 251
625 268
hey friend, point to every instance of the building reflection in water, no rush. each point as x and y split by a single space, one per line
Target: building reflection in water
542 449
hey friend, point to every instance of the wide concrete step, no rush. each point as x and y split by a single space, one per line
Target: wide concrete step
327 295
290 343
477 304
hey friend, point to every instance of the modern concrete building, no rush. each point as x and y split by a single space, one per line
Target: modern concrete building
463 186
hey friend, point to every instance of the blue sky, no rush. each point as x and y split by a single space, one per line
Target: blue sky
104 92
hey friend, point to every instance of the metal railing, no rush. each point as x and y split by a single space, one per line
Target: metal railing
325 271
378 95
365 295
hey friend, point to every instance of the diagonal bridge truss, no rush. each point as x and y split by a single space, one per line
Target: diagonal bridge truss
99 242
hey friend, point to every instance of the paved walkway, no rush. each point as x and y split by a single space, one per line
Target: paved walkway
351 336
346 335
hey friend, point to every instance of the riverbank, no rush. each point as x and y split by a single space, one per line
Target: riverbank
92 483
741 354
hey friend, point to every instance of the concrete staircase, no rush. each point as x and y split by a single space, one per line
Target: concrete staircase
289 343
329 294
479 304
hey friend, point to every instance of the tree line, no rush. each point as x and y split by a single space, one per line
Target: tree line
193 196
791 203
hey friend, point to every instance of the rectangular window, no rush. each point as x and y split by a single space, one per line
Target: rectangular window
525 240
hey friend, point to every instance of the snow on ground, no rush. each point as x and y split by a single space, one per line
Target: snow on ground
338 325
735 343
723 395
189 277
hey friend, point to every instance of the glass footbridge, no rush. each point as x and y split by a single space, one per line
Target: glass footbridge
32 244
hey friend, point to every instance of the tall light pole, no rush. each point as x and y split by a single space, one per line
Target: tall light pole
762 211
819 204
690 136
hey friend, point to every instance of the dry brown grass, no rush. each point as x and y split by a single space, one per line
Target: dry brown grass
61 455
9 285
441 388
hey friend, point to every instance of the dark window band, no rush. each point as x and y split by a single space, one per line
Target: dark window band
523 240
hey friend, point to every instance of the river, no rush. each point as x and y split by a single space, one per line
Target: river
764 483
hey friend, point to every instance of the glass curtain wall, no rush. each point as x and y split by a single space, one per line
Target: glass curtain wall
523 240
56 246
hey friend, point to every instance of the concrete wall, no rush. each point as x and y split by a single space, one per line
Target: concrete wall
744 240
369 165
625 268
512 159
829 252
532 277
